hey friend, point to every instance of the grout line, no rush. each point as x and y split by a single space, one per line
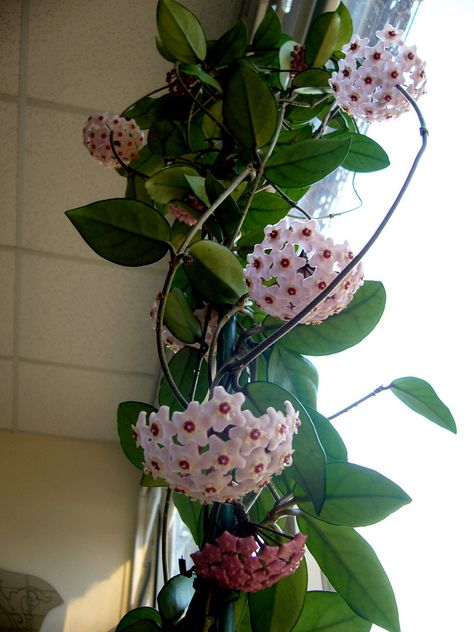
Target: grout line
20 165
80 367
61 107
10 98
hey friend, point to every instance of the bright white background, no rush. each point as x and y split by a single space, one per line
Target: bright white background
424 260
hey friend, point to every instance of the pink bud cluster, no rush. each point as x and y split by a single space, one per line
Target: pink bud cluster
243 564
127 138
298 63
215 451
365 84
175 84
174 343
182 214
293 265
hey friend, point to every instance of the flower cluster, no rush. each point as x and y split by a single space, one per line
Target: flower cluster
293 265
101 130
215 451
174 343
298 63
365 84
243 564
179 85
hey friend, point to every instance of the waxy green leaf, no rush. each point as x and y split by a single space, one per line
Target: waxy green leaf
250 110
123 231
215 272
180 319
345 27
302 164
180 32
174 598
230 46
169 183
294 373
127 415
422 398
227 213
357 496
352 567
276 609
331 441
191 514
146 615
342 330
183 366
365 155
266 208
313 77
322 38
268 32
328 612
194 70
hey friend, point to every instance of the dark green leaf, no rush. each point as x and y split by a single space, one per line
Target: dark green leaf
261 506
135 190
197 71
146 162
144 613
268 32
298 115
250 110
277 609
328 612
127 415
422 398
142 112
365 155
215 272
169 183
330 439
309 461
174 597
147 480
180 319
342 330
266 208
191 514
294 373
228 212
351 566
144 625
180 32
167 138
242 614
123 231
302 164
182 367
313 77
230 46
164 52
345 28
357 496
322 38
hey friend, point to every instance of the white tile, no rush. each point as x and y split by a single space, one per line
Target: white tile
8 158
7 302
93 53
6 393
59 175
87 315
10 16
75 403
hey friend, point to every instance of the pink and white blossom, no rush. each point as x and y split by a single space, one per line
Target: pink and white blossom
103 129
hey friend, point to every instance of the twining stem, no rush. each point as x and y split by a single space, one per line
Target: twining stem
164 536
240 362
175 261
376 391
212 347
287 198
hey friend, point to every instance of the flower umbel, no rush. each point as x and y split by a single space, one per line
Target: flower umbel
216 451
293 265
102 129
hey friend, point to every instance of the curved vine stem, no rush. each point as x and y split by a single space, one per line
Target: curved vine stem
241 362
213 345
164 536
287 198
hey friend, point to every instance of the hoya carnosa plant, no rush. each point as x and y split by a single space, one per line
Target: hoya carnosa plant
216 160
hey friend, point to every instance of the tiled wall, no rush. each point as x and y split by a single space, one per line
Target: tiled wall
75 337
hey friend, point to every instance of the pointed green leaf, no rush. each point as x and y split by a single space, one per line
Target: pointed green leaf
180 32
345 28
266 208
250 110
180 318
210 128
127 415
352 567
302 164
330 439
342 330
191 514
294 373
183 366
228 212
230 46
357 496
328 612
309 461
313 77
174 598
276 609
322 38
164 52
144 613
127 232
422 398
268 32
169 183
365 155
215 272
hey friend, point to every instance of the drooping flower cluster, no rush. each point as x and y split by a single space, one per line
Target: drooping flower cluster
174 343
365 84
101 130
293 265
243 564
186 210
298 63
216 451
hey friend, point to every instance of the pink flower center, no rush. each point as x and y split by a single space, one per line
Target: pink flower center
224 408
257 263
210 490
268 299
282 429
274 234
285 262
258 468
291 291
223 459
184 465
255 434
307 232
376 56
322 285
155 430
189 426
156 465
327 253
